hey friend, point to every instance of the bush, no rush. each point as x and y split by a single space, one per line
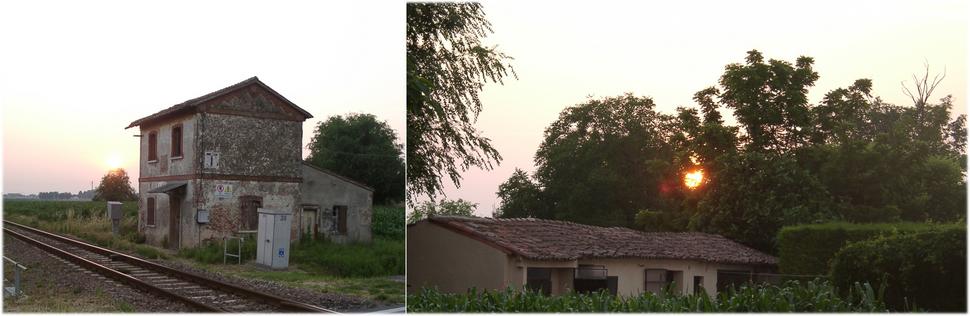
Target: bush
809 249
926 269
382 257
388 222
792 296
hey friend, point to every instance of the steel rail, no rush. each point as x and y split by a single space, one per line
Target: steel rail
185 275
111 273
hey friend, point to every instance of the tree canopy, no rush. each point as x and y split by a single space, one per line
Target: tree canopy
447 66
360 147
427 209
615 161
115 186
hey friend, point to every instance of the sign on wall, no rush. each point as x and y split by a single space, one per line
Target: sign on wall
223 190
211 160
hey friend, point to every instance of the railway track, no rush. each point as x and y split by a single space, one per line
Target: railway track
198 291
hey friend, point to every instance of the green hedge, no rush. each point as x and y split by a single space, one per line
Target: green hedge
793 296
809 249
925 270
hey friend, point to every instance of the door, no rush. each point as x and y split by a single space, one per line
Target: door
310 224
174 214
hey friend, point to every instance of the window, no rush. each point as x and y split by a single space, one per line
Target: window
698 284
539 280
340 219
655 280
150 205
176 141
593 278
152 146
249 212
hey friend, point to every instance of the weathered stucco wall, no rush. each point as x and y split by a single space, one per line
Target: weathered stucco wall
167 165
251 146
225 211
324 191
452 262
159 234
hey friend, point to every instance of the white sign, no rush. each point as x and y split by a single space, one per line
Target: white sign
223 190
211 160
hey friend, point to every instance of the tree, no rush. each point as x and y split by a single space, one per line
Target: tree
604 160
115 186
443 208
360 147
447 66
520 198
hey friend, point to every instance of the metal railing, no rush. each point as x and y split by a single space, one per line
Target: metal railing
225 249
16 290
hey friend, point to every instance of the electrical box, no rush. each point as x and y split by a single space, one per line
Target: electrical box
273 238
114 210
202 216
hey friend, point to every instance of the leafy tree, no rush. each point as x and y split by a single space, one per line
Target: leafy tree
770 100
360 147
605 159
115 186
442 208
447 66
520 198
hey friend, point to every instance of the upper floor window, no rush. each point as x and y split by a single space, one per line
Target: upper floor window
177 141
152 146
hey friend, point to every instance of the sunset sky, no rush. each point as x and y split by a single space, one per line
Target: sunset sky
669 50
74 74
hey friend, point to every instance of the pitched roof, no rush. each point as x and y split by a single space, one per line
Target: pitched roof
540 239
193 103
338 176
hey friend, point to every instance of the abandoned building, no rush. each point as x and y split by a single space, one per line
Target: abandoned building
208 164
454 254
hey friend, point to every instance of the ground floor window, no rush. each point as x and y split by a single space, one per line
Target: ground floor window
593 278
539 280
698 284
249 212
656 280
150 211
340 219
732 278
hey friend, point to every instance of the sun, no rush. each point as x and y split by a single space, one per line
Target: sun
693 179
113 161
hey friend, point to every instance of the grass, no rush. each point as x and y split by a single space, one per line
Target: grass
792 296
353 269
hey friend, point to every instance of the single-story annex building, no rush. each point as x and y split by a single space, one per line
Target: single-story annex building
454 254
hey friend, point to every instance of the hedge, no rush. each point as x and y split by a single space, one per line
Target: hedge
924 270
809 249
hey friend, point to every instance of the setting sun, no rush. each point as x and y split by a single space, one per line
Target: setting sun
693 179
113 161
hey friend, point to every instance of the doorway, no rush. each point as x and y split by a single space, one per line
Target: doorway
174 216
311 224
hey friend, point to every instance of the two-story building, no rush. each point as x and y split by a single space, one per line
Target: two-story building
207 165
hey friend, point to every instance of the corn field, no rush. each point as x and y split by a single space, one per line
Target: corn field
792 296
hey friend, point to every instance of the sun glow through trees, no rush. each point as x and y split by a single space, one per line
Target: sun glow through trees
693 179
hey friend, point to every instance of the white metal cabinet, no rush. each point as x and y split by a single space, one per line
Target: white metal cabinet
273 238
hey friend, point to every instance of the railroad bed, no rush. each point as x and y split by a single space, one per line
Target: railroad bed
206 294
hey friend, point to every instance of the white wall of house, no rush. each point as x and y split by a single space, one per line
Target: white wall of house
452 262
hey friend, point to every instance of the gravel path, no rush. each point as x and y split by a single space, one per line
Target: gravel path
336 302
47 273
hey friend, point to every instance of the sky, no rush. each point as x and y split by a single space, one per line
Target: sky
74 74
671 49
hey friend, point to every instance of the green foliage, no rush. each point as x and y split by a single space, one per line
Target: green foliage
362 148
792 296
520 197
925 269
388 222
809 249
447 66
115 186
212 251
382 257
442 208
605 159
86 220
